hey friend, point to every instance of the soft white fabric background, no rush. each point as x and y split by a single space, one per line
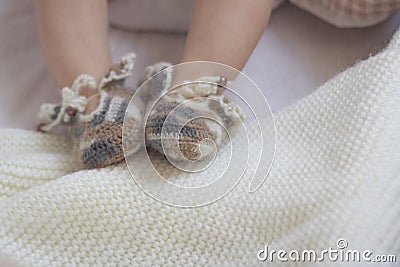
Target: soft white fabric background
296 54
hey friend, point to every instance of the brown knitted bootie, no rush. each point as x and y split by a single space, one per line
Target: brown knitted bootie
189 122
97 135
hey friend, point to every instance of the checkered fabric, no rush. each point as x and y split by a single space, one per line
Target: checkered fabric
350 13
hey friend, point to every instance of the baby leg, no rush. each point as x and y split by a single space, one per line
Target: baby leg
74 39
226 31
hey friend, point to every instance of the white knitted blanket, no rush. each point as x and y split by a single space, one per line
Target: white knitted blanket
336 175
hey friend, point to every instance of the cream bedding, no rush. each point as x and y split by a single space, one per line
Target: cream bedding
335 175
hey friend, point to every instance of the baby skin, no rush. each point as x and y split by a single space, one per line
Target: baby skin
74 39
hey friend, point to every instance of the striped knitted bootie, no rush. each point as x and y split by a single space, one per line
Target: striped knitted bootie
97 135
187 123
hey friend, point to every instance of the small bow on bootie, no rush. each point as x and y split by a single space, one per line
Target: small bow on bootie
51 115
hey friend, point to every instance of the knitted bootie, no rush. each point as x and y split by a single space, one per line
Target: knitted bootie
183 124
97 135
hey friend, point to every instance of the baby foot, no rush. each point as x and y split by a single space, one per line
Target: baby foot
186 122
97 134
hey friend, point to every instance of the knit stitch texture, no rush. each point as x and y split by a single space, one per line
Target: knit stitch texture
335 175
189 122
